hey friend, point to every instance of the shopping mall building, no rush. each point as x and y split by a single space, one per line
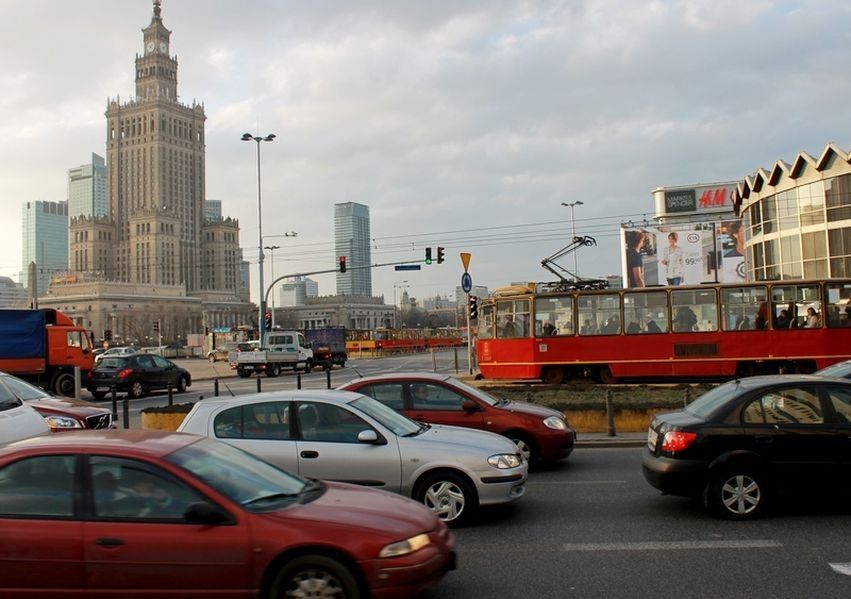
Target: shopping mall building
797 218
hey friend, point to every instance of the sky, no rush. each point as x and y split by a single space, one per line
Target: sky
461 124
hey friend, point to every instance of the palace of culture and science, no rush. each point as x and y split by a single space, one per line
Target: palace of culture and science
153 256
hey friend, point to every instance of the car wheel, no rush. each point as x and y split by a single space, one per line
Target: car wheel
737 494
181 384
315 576
449 496
525 447
63 384
137 390
273 370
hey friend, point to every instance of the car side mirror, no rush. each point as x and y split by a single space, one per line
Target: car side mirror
368 436
468 405
204 512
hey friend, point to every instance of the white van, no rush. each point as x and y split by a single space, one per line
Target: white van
19 420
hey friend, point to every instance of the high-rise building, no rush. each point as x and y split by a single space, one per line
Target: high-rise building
87 188
212 210
295 291
351 239
45 242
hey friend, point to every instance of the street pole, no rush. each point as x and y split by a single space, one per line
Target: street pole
469 337
261 321
272 249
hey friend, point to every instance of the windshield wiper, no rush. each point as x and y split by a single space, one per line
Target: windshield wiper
272 497
423 428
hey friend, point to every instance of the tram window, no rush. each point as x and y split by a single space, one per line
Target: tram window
553 316
796 306
645 312
512 319
740 308
694 311
838 304
485 328
599 314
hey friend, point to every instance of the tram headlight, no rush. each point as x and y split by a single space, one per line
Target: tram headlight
556 423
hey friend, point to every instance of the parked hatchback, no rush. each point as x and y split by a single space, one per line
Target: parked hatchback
541 434
161 514
348 437
744 443
113 352
61 414
137 375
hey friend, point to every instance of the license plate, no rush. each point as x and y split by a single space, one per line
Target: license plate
652 437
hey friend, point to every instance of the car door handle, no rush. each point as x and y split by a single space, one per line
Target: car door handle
109 542
309 454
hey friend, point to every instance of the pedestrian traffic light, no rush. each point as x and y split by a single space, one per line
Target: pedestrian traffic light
156 326
342 264
428 256
268 320
439 255
474 307
107 335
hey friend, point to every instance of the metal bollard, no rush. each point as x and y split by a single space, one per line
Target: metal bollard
170 395
610 415
114 404
77 383
433 361
258 384
328 378
126 413
456 360
298 381
215 387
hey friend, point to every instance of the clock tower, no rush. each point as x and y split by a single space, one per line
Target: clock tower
156 71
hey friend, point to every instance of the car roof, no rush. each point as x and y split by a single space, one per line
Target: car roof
753 382
150 443
329 396
398 376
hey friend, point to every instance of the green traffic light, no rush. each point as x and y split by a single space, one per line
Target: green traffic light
428 256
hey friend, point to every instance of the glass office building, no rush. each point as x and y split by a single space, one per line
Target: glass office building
44 241
351 239
87 189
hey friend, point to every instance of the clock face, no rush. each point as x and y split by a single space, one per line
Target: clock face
163 47
151 46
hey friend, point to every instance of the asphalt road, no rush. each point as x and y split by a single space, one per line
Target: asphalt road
593 527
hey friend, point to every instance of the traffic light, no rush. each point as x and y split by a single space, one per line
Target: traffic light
268 320
439 255
428 256
474 307
156 326
107 335
342 264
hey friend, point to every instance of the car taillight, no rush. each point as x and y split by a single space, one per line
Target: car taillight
677 440
124 373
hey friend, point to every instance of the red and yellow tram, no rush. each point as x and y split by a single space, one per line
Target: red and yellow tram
531 332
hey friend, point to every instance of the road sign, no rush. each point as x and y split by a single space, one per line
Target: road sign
465 260
407 267
466 282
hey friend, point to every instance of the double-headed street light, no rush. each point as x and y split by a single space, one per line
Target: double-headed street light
573 224
261 321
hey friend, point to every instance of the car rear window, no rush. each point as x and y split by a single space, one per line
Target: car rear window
710 401
110 362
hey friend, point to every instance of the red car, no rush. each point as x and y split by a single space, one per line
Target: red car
61 414
160 514
541 434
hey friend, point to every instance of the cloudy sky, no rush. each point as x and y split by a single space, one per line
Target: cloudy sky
464 124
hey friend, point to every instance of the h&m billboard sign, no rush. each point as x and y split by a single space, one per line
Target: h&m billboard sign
706 199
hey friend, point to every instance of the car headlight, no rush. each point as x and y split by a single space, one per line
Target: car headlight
556 423
503 461
62 422
405 547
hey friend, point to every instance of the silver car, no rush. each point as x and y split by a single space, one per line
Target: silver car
348 437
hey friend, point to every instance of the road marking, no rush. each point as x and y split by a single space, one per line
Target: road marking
841 568
672 545
576 482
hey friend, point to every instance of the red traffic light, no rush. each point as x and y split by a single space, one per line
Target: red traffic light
342 264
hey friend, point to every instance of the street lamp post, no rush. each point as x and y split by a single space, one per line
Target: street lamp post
573 225
272 249
395 285
261 321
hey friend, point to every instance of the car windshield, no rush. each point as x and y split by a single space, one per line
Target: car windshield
710 401
111 362
840 370
24 390
240 476
387 417
483 395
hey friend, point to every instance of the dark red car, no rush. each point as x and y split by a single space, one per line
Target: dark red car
61 414
160 514
541 434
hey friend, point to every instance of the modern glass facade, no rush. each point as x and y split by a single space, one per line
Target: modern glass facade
87 189
212 210
351 239
45 241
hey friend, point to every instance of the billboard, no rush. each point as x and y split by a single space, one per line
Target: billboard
683 254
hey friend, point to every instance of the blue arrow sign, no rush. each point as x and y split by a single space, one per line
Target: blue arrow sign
407 267
466 282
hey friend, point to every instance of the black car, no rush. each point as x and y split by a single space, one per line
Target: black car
744 443
136 375
840 370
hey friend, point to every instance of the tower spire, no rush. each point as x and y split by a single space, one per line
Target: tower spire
157 9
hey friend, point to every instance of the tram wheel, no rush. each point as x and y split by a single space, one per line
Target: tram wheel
552 375
606 376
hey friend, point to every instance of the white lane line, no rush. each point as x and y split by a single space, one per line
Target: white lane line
576 482
671 545
841 568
